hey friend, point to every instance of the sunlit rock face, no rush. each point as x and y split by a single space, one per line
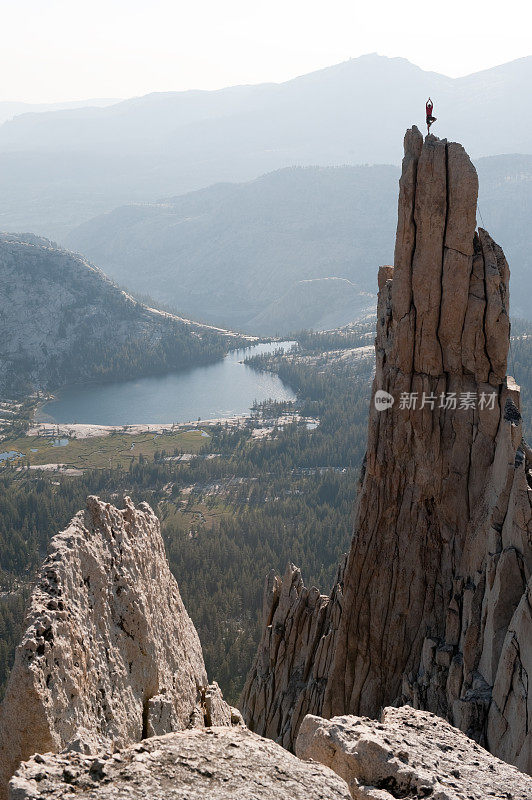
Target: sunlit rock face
433 604
214 764
408 753
109 655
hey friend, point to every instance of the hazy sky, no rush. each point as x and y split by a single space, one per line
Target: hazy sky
55 50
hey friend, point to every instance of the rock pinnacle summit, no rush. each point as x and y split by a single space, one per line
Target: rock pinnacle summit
433 605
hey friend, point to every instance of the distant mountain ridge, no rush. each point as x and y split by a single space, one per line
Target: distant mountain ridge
297 248
62 321
242 255
8 109
60 168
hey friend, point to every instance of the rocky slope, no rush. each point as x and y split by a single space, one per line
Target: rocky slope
109 698
109 655
62 320
432 605
408 753
218 764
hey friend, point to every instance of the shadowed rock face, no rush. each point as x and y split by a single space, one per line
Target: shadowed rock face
109 655
432 606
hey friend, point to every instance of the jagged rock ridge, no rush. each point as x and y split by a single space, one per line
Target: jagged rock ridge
109 655
433 603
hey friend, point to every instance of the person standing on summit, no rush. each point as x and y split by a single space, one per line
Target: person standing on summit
430 119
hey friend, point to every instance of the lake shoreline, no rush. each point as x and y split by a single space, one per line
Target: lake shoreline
216 393
87 430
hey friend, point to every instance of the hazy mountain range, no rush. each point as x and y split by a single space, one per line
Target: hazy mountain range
8 109
253 253
60 168
296 248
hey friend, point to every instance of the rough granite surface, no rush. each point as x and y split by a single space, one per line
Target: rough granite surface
409 754
109 655
433 604
214 764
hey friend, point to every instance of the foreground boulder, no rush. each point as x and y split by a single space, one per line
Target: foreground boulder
218 764
109 655
433 604
408 754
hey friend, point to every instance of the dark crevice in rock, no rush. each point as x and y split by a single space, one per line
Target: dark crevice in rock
145 718
511 412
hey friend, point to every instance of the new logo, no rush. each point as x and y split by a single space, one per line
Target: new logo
383 400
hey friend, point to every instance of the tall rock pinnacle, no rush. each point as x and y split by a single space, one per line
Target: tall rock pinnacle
433 603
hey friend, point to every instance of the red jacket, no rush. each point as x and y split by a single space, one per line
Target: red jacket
429 109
